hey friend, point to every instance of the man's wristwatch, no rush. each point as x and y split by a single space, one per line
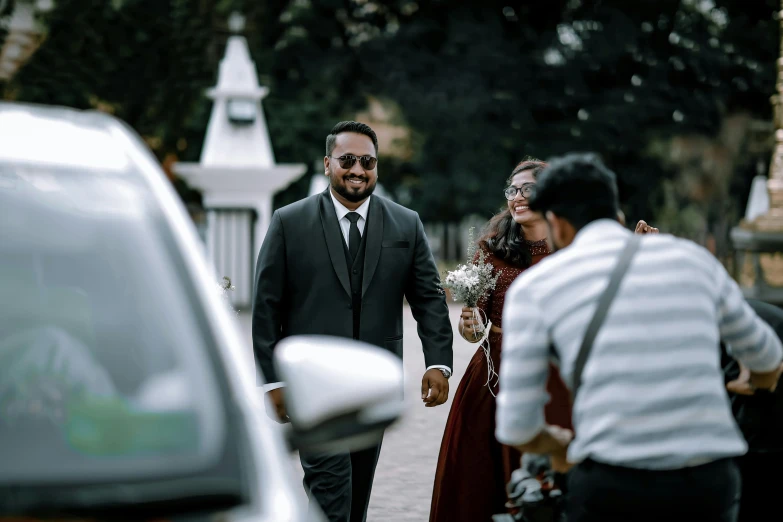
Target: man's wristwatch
445 373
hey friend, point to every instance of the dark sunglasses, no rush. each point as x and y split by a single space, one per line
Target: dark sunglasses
349 160
528 190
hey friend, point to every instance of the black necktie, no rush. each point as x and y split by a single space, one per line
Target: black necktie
354 237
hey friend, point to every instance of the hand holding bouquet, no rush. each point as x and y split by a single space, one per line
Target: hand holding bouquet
468 283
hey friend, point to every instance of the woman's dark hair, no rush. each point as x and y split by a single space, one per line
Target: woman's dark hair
502 236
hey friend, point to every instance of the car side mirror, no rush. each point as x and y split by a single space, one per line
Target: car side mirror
340 394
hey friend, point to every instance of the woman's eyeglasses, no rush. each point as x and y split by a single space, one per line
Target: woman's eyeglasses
528 190
349 160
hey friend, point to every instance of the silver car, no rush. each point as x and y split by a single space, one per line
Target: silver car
124 386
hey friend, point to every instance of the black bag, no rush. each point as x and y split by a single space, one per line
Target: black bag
536 493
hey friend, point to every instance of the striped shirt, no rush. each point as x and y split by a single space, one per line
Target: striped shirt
652 393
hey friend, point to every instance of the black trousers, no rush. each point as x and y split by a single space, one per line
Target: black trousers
599 492
760 486
341 483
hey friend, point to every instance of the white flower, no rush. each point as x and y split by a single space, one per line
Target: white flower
470 282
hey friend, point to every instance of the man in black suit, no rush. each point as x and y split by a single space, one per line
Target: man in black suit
340 263
759 414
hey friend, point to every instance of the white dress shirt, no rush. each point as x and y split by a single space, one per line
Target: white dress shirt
345 223
345 227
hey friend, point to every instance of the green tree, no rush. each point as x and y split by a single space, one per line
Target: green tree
481 84
5 15
307 53
487 83
142 60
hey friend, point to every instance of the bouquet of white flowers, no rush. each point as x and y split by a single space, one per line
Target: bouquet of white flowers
468 283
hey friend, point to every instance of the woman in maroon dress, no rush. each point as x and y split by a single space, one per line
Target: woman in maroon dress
473 467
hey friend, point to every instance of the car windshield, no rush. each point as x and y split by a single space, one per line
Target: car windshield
104 368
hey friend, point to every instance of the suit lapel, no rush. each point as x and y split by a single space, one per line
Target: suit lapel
334 240
374 233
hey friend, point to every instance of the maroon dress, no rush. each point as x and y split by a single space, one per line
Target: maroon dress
473 467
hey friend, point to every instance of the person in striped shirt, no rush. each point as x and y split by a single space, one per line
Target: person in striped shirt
655 436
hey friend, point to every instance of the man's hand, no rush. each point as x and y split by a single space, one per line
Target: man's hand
766 381
562 437
748 382
559 457
741 385
434 388
470 324
278 403
552 441
559 462
643 228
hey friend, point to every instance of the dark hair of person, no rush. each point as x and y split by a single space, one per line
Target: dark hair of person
350 126
578 188
503 236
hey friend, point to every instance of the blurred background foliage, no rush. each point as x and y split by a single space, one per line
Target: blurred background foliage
674 94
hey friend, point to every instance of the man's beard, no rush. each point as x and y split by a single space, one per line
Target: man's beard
350 195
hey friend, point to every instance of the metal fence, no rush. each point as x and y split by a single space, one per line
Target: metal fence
449 241
230 249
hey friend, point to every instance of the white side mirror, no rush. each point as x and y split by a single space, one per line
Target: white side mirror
340 394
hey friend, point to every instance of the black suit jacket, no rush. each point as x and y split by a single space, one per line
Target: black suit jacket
302 284
759 416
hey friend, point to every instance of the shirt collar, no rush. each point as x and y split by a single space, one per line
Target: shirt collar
342 211
600 230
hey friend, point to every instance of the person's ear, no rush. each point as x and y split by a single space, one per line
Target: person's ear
554 226
561 231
